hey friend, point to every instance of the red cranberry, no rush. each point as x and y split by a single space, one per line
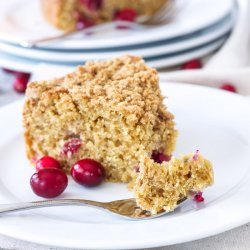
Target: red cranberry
92 5
47 162
49 183
9 71
229 87
160 157
22 74
21 81
71 147
193 64
88 172
198 197
126 14
83 22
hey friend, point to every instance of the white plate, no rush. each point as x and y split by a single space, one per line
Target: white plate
22 20
179 58
22 64
214 121
164 48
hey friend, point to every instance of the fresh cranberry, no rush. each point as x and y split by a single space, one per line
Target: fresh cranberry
71 147
83 22
193 64
160 157
198 197
47 162
9 71
126 14
92 5
49 183
88 172
21 81
22 74
229 87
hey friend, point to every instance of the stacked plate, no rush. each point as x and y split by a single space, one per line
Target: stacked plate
197 29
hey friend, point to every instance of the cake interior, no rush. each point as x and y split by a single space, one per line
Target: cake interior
110 111
113 112
159 187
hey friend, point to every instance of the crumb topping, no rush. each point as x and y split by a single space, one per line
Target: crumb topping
114 107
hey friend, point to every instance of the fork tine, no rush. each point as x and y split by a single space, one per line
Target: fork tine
164 10
163 15
161 11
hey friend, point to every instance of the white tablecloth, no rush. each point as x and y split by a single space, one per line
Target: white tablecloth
236 239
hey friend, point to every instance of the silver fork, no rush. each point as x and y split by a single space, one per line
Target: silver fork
127 208
162 16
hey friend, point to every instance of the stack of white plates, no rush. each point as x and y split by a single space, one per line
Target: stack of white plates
197 29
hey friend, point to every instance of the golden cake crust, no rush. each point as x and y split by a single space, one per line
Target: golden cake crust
114 108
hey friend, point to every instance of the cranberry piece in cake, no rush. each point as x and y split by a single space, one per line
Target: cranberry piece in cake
71 147
49 183
88 172
160 157
126 14
83 22
196 155
92 5
137 169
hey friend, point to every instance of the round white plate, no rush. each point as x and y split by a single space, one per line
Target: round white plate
205 36
179 58
215 122
22 20
22 64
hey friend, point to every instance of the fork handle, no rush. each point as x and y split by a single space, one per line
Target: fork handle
7 208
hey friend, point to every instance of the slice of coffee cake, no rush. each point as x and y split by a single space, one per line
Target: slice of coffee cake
160 186
71 15
110 111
